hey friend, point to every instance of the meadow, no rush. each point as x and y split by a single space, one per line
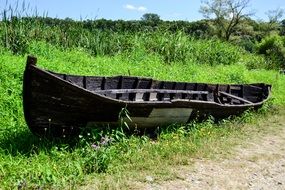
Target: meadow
30 162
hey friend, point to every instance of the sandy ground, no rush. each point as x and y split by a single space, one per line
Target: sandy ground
257 163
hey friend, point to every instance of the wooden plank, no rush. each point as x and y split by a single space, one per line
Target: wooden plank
132 96
153 97
149 85
139 97
235 97
84 82
77 80
162 116
178 86
160 96
94 83
31 61
256 87
121 91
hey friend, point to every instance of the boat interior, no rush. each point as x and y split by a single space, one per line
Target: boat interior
138 89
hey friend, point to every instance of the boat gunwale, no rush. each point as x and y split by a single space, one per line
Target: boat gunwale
52 75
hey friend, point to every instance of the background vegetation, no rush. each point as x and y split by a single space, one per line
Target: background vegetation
171 39
167 50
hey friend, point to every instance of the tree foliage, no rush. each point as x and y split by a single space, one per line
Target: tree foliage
151 17
274 16
227 15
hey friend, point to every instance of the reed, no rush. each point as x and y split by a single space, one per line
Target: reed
21 27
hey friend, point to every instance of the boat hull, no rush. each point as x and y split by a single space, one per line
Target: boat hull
57 105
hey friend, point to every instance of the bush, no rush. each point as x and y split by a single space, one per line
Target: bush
273 47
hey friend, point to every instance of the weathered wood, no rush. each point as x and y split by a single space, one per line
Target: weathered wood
31 60
164 91
236 97
59 104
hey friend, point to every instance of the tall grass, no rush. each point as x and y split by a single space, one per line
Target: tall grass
172 47
29 162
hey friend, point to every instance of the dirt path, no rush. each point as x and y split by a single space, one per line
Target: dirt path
257 163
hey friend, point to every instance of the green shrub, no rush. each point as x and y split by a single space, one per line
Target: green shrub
273 47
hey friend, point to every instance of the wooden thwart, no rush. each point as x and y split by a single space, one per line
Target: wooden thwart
236 97
123 91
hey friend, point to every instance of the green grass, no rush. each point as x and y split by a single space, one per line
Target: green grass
29 162
168 46
110 156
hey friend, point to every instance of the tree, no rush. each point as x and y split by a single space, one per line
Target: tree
282 30
274 17
151 17
226 14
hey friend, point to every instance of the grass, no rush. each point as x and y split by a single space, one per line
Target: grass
30 162
206 141
110 157
168 46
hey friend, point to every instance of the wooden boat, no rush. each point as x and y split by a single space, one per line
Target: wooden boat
59 104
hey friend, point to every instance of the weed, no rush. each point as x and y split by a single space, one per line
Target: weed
124 118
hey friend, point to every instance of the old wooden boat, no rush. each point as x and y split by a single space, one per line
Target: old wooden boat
60 104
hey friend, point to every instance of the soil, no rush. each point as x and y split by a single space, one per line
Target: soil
256 163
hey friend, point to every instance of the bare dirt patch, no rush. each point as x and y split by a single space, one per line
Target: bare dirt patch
255 163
